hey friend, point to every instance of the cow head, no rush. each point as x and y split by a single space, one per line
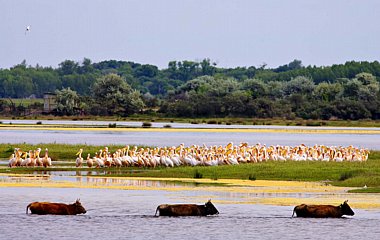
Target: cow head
210 208
78 207
346 209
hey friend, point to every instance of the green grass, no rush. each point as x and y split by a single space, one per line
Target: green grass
25 101
366 190
348 174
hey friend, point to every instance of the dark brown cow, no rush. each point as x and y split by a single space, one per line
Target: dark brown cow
323 211
56 208
187 209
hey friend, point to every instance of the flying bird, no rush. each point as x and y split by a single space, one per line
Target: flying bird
27 29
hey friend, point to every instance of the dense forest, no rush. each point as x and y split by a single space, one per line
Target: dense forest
200 89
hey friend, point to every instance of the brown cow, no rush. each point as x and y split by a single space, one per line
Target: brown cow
187 209
323 211
56 208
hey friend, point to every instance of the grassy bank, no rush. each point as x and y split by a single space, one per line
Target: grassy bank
348 174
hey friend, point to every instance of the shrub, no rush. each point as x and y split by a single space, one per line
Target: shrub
313 124
345 176
197 174
146 125
112 125
251 177
211 122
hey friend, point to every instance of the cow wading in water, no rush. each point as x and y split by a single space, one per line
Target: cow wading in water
43 208
323 211
186 209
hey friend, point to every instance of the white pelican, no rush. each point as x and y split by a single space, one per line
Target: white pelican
46 160
12 161
38 158
26 161
99 162
79 160
89 162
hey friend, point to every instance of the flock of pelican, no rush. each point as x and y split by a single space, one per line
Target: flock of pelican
29 159
218 155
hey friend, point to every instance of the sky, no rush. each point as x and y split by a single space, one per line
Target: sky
231 33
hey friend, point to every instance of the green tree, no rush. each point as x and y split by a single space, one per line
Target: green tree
327 92
68 67
299 85
68 102
113 95
257 88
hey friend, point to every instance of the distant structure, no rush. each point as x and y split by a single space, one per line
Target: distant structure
50 103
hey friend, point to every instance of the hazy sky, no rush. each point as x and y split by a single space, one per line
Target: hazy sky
231 33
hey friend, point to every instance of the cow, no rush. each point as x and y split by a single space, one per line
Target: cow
323 211
186 209
43 208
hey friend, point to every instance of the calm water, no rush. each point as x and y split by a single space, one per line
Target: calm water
107 137
128 214
370 141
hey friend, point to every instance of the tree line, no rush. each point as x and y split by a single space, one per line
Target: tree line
201 89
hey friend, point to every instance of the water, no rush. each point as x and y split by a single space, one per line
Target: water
174 138
128 214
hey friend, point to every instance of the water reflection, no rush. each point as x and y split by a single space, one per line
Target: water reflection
94 179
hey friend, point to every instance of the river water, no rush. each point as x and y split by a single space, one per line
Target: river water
209 134
129 214
174 138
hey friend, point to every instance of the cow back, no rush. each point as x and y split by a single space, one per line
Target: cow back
318 211
49 208
54 208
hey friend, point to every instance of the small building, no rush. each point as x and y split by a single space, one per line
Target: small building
50 103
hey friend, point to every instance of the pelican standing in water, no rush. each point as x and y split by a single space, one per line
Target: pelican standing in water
46 161
89 162
79 160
